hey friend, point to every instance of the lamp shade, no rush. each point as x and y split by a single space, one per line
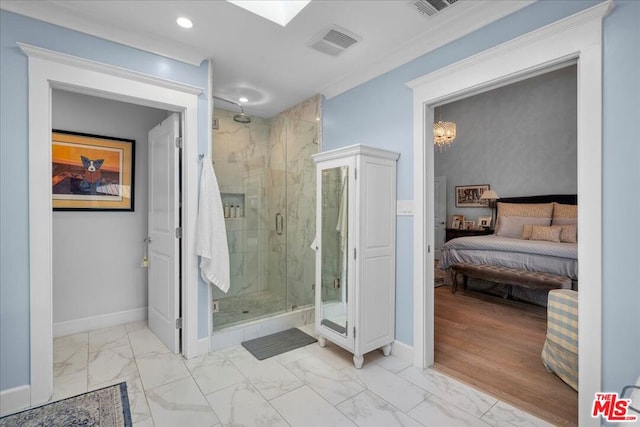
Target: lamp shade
489 195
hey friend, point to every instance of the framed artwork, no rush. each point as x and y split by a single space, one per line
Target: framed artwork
457 221
91 172
469 225
484 221
468 196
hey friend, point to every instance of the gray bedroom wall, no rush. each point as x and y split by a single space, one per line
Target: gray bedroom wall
97 255
520 139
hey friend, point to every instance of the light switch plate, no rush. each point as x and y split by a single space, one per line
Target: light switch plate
404 207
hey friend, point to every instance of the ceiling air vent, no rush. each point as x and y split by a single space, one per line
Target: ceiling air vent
334 40
430 7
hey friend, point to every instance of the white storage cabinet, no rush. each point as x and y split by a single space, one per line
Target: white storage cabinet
356 249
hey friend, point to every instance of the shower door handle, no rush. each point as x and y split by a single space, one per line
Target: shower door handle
279 224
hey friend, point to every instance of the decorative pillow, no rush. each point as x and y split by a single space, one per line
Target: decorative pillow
564 214
542 232
532 210
526 231
513 226
564 211
569 233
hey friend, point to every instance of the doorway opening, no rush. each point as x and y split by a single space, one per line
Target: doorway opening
99 279
49 70
499 329
576 38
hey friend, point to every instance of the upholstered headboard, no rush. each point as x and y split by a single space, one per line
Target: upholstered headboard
565 199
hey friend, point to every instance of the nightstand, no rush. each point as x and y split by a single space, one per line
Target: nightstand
452 233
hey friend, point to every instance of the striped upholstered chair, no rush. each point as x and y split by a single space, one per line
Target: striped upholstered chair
560 351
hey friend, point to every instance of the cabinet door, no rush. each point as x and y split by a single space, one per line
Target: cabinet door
333 265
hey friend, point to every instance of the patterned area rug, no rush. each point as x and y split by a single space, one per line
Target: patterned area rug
106 407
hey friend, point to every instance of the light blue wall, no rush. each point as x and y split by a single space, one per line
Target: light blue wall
620 196
379 113
14 196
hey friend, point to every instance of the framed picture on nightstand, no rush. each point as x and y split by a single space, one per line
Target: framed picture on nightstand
457 221
484 221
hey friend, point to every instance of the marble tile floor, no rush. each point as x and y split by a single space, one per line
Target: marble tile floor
310 386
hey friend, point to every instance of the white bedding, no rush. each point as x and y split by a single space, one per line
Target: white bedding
531 255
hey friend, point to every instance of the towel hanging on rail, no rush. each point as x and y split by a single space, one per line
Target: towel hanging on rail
211 242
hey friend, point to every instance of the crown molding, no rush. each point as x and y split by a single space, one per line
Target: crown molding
63 58
476 15
54 14
597 12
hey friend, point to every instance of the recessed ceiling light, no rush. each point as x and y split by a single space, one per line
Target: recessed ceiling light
243 99
184 22
278 11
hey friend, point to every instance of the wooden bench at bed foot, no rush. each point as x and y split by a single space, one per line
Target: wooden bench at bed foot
510 276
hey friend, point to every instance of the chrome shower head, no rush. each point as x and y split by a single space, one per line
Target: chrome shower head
242 118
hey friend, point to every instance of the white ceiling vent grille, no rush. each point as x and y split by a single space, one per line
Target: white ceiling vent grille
334 40
430 7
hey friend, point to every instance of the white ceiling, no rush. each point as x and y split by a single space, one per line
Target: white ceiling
269 64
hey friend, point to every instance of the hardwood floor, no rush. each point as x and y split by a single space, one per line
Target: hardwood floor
494 345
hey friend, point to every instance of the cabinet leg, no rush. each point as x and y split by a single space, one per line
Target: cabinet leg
358 360
386 350
322 341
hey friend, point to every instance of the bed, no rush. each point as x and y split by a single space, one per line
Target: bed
533 249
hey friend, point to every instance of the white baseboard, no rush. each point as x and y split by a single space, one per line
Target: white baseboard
96 322
402 351
204 345
15 399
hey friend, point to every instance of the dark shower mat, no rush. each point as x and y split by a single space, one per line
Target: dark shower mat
278 343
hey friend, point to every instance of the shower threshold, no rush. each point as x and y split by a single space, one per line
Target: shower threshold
243 308
233 334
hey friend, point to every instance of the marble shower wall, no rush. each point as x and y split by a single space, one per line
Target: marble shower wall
267 164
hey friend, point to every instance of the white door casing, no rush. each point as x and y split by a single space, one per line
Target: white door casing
49 69
164 268
440 212
576 39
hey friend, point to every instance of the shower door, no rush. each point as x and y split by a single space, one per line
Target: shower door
267 181
302 137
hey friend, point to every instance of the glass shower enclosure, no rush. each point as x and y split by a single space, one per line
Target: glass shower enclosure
267 182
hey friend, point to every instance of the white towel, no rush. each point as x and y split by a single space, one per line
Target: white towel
211 242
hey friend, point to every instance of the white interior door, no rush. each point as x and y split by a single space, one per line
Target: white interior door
440 208
164 219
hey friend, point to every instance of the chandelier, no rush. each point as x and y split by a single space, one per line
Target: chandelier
443 133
